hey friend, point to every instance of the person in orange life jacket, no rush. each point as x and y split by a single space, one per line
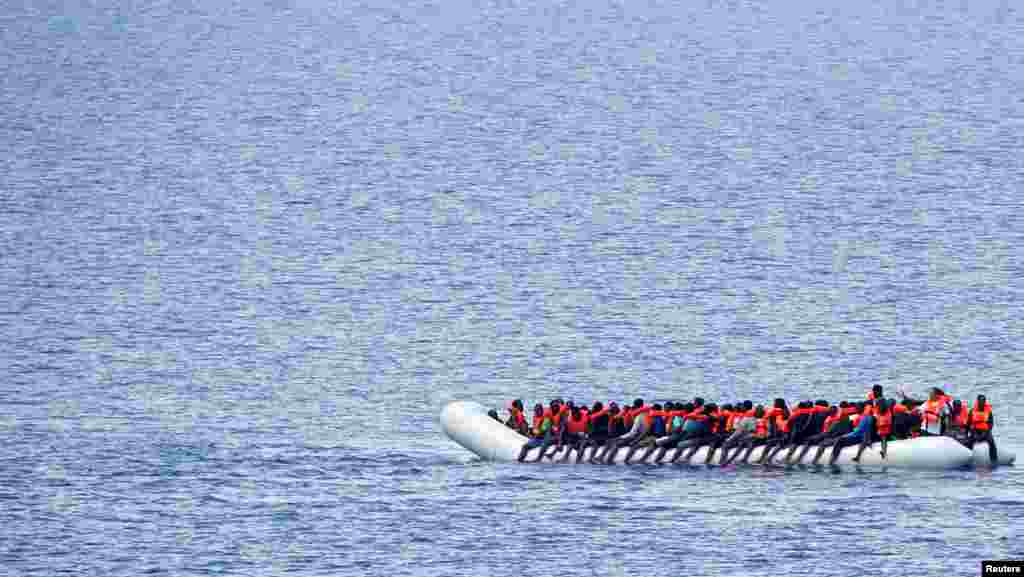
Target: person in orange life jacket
660 434
725 428
863 425
757 438
876 393
714 422
555 430
980 425
637 431
778 419
597 429
655 428
802 429
577 424
881 430
830 427
795 428
538 431
517 419
681 429
744 424
840 425
615 428
904 420
696 426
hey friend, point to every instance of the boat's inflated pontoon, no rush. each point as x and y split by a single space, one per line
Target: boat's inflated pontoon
468 424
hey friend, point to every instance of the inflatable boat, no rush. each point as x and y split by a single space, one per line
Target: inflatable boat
468 424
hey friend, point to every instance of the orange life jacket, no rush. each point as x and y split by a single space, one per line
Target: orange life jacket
781 423
848 411
577 425
883 422
519 418
855 420
730 420
979 417
932 411
900 408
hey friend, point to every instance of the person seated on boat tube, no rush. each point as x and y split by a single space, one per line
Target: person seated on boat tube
655 428
863 424
559 416
517 418
794 430
778 420
835 425
637 430
805 423
755 439
744 423
712 429
980 428
677 428
538 431
577 426
881 430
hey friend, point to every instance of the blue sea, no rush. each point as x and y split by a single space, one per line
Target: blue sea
248 251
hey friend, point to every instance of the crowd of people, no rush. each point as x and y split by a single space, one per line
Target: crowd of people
677 430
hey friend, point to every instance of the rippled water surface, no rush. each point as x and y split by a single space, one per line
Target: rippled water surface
249 250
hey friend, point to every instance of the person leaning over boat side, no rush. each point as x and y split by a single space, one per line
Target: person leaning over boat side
597 429
959 420
981 423
713 423
538 432
818 413
904 421
796 429
865 422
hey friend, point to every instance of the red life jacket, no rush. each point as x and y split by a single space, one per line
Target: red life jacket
855 420
761 430
829 421
883 422
979 417
538 422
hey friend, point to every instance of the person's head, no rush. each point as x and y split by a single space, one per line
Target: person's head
821 403
727 407
698 402
638 403
688 407
670 406
518 404
613 408
843 404
877 391
957 405
597 407
576 413
779 403
748 405
556 406
759 411
493 413
710 408
538 409
933 395
657 406
833 410
980 402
